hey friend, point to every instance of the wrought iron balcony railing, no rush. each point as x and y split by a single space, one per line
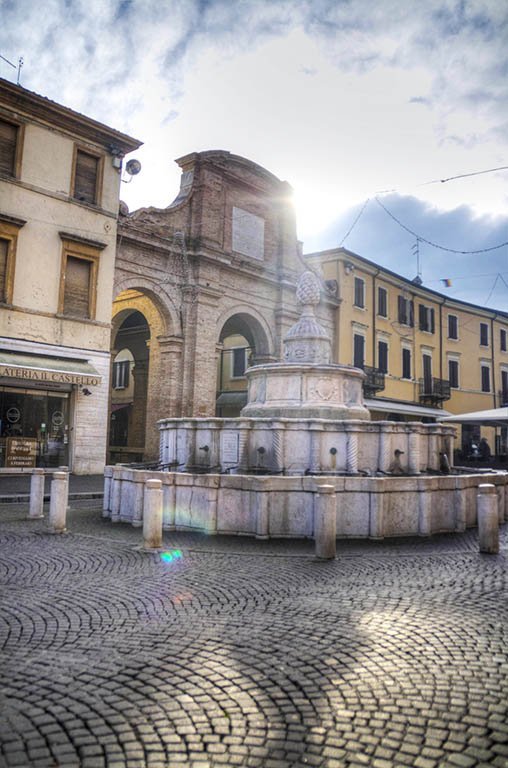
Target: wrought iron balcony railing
502 398
374 381
434 390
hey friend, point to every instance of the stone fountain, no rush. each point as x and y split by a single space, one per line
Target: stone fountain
304 420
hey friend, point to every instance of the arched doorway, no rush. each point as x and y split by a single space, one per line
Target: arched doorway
243 341
129 387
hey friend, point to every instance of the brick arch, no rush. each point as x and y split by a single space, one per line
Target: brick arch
166 313
251 324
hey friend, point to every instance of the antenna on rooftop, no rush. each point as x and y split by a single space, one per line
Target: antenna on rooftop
416 252
20 64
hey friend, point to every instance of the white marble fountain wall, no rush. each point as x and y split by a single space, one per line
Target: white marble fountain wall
268 506
299 446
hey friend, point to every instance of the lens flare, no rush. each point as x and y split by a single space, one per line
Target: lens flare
171 555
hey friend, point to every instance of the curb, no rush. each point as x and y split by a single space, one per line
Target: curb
19 498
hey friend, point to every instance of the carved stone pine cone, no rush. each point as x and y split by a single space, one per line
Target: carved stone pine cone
308 290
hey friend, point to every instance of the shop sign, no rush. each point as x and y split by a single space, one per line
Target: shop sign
56 377
21 452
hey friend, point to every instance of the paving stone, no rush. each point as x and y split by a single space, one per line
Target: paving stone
248 652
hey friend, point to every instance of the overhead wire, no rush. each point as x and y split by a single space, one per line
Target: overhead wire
436 245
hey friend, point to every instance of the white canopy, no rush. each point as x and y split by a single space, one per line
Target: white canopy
495 417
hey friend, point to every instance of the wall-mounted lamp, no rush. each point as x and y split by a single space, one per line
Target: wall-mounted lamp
349 267
117 156
86 391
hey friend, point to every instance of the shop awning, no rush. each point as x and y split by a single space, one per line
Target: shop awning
494 417
119 406
54 370
237 399
390 406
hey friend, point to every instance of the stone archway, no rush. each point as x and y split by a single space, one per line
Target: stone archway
244 340
142 328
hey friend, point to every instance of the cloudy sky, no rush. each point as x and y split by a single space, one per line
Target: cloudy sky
358 104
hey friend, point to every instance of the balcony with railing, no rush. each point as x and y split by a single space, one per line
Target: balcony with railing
502 400
434 390
373 382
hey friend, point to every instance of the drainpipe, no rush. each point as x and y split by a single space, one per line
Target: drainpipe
416 394
374 319
493 358
441 339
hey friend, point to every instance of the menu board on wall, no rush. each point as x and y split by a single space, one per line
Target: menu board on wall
21 452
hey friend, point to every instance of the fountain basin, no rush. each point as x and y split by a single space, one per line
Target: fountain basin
267 506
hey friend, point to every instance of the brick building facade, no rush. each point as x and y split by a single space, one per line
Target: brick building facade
209 276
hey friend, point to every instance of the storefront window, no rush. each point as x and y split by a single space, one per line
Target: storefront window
34 428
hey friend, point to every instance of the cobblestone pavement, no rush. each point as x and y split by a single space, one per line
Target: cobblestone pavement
235 652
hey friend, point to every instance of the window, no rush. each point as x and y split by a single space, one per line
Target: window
504 388
9 229
484 335
4 256
358 350
485 370
453 373
78 279
406 363
86 177
502 339
121 371
382 302
9 148
239 362
382 356
359 292
453 327
427 372
426 318
405 311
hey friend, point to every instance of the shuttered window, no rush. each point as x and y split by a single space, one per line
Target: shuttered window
86 177
453 327
405 311
121 372
406 363
8 142
358 351
359 292
382 302
239 362
426 318
485 371
382 356
4 253
453 373
484 335
77 287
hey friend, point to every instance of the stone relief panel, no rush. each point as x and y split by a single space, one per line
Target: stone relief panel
326 390
248 234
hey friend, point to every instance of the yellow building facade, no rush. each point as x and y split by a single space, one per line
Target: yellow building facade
425 354
59 196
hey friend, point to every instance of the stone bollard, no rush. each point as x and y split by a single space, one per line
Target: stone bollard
488 519
152 515
66 470
58 502
36 494
106 499
325 522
